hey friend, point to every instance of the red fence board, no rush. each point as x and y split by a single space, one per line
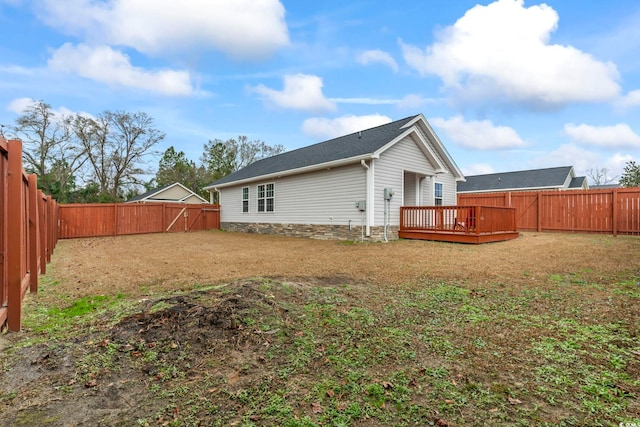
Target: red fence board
27 233
614 211
115 219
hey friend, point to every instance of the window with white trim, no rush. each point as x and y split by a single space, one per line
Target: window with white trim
245 199
266 193
437 193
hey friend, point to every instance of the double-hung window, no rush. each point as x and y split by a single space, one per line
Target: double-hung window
437 194
245 199
266 193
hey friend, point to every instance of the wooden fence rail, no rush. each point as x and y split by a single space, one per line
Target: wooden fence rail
612 211
28 233
115 219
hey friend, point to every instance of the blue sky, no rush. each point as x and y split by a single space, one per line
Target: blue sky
507 85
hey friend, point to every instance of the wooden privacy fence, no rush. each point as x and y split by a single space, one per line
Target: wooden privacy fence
28 233
614 211
115 219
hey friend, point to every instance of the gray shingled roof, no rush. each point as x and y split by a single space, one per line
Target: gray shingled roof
356 144
148 193
577 182
535 178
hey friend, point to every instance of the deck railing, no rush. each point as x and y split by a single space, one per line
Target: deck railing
458 219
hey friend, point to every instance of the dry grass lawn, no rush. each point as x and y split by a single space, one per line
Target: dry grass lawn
159 262
231 329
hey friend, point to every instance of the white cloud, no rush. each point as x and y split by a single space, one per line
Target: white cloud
582 160
19 105
330 128
478 134
502 52
103 64
619 135
377 56
300 92
244 29
630 100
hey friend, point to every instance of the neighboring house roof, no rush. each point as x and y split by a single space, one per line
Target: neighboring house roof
605 186
535 179
160 194
362 145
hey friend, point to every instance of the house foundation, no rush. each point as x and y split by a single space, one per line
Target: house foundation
312 231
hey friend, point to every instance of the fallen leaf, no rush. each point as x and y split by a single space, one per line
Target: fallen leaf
126 347
441 423
513 401
316 408
136 353
387 385
493 410
299 334
91 384
331 393
173 345
71 382
413 382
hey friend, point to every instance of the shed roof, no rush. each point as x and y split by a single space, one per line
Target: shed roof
521 180
352 146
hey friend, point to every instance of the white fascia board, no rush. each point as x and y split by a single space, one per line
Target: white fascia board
311 168
438 143
424 147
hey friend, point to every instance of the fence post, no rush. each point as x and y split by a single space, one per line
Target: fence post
34 232
539 219
614 214
15 221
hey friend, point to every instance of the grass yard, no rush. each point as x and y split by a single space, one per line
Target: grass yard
226 329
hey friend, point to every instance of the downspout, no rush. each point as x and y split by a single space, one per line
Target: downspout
368 200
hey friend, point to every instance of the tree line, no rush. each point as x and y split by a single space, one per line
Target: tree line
80 158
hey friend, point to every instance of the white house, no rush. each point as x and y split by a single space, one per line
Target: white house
172 193
346 188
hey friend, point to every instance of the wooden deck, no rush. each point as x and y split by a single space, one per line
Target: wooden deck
458 224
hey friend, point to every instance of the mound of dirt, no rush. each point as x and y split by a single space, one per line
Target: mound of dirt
170 337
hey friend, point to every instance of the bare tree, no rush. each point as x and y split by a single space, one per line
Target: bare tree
117 145
600 176
50 151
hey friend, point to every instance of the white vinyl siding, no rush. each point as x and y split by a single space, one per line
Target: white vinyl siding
390 167
321 197
409 195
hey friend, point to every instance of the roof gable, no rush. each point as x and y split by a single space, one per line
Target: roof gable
368 143
155 194
549 178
